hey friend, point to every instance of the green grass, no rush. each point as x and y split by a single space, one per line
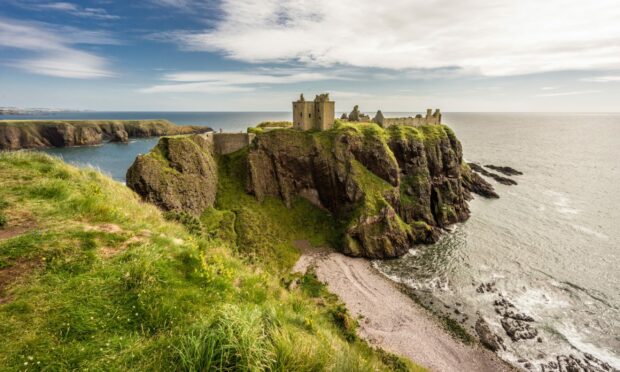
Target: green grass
275 124
107 282
266 230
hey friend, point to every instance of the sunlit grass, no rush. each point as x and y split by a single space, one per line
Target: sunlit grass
108 283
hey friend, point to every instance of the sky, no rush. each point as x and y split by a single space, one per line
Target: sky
259 55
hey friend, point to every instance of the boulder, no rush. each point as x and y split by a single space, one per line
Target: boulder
179 174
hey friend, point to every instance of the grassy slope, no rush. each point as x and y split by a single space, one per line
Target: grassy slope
103 281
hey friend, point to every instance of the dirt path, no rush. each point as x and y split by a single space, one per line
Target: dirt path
390 318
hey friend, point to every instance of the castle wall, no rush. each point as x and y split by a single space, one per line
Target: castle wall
303 115
430 119
325 114
226 143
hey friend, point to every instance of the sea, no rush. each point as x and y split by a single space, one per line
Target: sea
549 245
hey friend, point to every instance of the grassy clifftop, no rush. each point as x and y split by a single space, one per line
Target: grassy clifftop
93 278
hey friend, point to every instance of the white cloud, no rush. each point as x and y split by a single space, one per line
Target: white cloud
237 81
602 79
76 10
53 50
551 88
574 93
491 37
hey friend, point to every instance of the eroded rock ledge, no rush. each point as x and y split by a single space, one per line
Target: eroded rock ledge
29 134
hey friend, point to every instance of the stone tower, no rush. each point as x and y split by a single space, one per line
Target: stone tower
318 114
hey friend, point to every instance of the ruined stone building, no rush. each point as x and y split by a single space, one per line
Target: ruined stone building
431 118
318 114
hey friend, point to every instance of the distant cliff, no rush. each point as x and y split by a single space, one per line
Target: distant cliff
28 134
387 188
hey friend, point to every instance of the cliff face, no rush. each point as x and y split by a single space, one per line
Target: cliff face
390 188
18 134
179 174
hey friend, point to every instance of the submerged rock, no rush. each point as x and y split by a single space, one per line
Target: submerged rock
179 174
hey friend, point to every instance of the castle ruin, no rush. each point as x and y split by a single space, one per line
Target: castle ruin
431 118
318 114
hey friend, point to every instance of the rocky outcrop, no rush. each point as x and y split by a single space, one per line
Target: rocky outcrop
26 134
390 188
500 179
507 171
179 174
489 339
476 184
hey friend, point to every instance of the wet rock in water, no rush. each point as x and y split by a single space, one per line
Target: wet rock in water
478 185
508 171
518 329
505 309
486 287
528 365
487 337
500 179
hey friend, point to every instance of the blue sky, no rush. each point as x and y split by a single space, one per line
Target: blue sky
398 55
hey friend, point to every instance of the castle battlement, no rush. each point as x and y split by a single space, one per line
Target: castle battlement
431 118
318 114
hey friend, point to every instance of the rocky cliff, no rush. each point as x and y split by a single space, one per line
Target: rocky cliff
387 188
390 188
26 134
179 174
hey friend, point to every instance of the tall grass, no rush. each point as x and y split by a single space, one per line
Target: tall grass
108 283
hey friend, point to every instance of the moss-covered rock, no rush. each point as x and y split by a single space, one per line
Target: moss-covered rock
179 174
389 188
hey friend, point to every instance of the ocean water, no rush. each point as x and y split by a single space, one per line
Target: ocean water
549 245
115 159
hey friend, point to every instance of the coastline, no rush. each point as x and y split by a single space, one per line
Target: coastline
389 318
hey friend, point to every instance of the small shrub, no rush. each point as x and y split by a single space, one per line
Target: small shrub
311 285
3 220
344 321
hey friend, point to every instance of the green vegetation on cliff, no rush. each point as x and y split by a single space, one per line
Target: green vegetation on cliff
93 278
